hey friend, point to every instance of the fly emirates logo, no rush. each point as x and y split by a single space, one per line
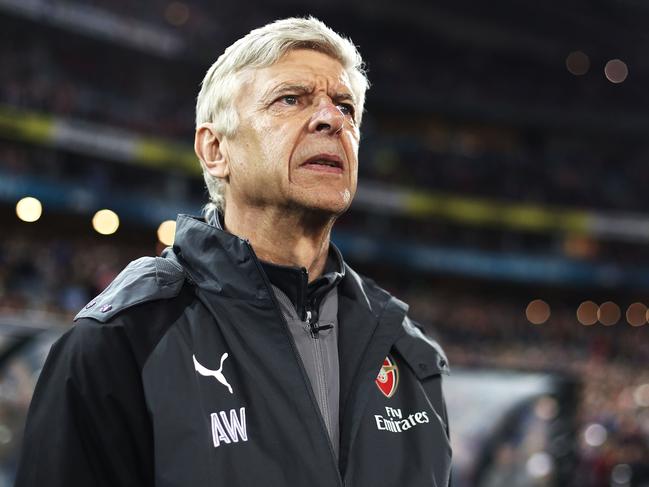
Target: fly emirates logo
396 423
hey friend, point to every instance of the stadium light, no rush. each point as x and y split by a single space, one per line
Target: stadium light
577 63
540 465
595 435
105 222
166 232
29 209
177 13
616 71
621 474
587 313
537 312
636 314
609 313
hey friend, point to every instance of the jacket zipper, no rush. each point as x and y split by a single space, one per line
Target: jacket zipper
322 390
305 376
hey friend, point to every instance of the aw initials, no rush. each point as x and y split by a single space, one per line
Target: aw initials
229 430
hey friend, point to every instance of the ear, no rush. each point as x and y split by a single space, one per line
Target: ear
209 149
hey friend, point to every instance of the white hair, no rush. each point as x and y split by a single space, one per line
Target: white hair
260 48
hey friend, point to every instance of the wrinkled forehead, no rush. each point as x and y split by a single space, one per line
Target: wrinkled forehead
299 68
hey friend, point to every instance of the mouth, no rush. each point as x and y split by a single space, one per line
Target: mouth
327 163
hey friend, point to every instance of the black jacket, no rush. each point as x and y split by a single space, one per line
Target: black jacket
183 373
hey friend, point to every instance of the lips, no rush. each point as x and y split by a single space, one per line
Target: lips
325 163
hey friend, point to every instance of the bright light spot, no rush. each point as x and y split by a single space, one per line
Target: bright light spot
577 63
105 222
641 395
621 474
616 71
166 232
587 313
546 408
177 13
537 312
609 313
540 465
595 435
29 209
636 314
580 247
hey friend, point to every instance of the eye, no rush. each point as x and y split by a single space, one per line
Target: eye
346 108
289 99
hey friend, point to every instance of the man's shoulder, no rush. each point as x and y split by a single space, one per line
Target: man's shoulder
423 353
363 288
133 312
143 280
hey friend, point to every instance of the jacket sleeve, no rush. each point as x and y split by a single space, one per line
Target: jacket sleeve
87 423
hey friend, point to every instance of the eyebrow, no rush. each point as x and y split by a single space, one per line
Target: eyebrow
344 97
289 87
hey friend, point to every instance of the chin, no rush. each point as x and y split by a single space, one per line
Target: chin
333 204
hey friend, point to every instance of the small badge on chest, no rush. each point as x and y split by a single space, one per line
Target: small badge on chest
388 378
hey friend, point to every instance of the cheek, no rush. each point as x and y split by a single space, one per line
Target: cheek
351 148
276 144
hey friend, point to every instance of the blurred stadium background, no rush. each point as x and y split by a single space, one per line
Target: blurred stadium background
504 174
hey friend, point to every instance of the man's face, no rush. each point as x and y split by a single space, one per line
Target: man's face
296 145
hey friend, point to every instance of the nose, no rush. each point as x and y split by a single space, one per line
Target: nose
327 119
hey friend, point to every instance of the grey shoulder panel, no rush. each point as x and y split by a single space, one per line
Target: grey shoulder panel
144 279
423 354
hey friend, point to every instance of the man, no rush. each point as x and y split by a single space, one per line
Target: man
250 354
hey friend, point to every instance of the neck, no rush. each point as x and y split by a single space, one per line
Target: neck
285 237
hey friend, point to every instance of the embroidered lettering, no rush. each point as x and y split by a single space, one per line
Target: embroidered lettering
395 423
228 430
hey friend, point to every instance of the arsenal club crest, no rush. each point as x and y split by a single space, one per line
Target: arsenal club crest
388 378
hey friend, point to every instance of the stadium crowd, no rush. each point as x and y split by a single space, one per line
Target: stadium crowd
533 75
45 77
56 76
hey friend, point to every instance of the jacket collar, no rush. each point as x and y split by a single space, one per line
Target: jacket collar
293 281
223 263
218 261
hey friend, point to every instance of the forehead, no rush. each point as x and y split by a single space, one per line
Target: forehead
301 66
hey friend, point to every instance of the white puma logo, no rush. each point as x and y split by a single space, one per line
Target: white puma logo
217 374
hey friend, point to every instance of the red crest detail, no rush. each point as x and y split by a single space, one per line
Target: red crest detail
388 378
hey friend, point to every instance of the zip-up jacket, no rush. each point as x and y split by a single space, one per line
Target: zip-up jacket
183 372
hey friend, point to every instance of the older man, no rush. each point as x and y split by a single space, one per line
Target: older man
250 354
